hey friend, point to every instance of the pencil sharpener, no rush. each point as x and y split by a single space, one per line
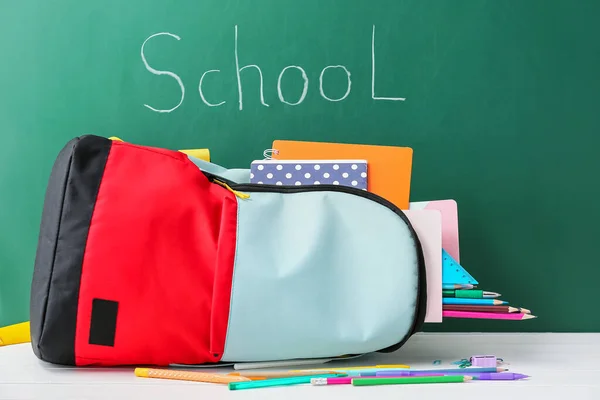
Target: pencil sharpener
484 361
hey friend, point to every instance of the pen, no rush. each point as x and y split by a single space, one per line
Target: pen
470 294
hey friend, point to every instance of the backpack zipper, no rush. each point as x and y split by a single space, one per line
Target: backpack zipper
237 193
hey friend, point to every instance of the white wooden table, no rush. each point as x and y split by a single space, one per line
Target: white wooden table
561 366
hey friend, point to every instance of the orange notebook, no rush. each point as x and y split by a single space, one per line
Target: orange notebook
389 167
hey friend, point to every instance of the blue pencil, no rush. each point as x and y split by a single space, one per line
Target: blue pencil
453 286
461 371
473 302
419 372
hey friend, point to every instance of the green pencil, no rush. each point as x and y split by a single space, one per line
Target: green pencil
409 380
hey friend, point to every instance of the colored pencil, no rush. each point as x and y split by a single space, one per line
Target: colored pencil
366 367
470 294
188 376
508 376
289 363
408 380
417 372
279 364
464 371
347 380
254 375
367 370
483 315
294 380
491 309
451 286
473 302
487 376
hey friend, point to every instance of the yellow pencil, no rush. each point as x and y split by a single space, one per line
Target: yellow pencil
390 366
256 375
187 375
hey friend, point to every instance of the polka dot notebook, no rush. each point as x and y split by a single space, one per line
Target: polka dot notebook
352 173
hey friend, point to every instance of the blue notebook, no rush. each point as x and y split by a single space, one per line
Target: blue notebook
352 173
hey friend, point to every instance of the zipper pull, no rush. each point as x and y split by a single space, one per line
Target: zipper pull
238 194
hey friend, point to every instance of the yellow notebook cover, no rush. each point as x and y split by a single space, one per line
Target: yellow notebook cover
389 167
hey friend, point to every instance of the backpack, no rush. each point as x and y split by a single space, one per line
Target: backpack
147 257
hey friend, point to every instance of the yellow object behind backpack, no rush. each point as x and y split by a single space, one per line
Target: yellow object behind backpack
15 334
203 154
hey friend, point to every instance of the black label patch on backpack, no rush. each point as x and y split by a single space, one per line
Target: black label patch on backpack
104 322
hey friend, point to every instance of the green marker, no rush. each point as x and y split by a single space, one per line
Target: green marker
470 294
408 380
295 380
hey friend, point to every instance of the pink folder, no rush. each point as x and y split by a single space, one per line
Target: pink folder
428 226
449 211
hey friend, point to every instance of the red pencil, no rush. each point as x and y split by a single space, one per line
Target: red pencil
492 309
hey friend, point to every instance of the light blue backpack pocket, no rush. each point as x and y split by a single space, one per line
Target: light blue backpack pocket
321 271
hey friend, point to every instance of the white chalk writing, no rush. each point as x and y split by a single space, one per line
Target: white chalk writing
373 73
304 90
349 84
168 73
238 70
280 89
202 94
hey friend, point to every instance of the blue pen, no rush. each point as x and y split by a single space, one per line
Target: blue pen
473 302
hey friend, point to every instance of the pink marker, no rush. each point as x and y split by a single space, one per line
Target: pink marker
347 380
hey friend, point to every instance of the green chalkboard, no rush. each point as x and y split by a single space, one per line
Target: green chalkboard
498 99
